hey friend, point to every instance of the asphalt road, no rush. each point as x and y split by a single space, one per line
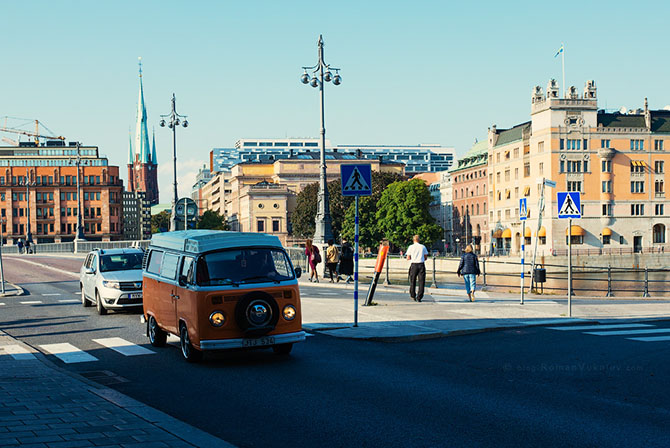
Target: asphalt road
537 386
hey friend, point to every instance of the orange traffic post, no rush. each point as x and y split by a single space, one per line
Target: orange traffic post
379 266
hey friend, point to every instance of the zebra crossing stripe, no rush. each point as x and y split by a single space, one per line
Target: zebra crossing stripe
124 347
2 304
599 327
68 353
31 302
69 301
17 352
628 332
651 339
52 294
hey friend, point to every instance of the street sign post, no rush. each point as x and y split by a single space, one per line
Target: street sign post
569 207
544 182
357 182
523 215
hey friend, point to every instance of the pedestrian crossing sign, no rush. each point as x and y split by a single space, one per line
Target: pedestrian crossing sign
523 209
356 180
569 204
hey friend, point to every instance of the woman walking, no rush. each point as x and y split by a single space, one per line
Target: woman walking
346 261
469 269
313 258
332 259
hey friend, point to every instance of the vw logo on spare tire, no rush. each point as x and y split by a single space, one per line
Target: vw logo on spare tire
257 313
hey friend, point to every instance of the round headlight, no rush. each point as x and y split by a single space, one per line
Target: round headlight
289 312
217 318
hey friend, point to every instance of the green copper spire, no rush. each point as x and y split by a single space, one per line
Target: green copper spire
141 133
131 154
153 148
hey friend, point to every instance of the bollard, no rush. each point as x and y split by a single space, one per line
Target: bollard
646 283
484 272
387 281
434 285
609 281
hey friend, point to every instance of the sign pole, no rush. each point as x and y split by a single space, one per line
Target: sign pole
523 252
570 267
356 266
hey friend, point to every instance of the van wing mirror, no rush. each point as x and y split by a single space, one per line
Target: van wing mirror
183 280
89 271
298 272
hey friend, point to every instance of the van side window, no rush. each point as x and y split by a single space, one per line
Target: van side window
169 268
186 269
87 263
155 260
94 263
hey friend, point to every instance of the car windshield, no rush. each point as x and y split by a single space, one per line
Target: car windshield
236 266
120 262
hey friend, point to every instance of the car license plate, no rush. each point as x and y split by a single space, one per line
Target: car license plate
258 342
135 295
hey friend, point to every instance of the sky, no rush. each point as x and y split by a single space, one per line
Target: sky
412 72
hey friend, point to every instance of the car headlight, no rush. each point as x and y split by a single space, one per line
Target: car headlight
110 284
217 318
289 312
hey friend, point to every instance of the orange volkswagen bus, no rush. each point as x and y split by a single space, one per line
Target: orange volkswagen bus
221 290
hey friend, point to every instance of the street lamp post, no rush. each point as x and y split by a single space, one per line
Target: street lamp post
173 120
321 73
29 234
80 227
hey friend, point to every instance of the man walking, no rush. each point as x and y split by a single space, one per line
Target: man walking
416 254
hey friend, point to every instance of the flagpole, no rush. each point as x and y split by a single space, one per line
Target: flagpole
563 65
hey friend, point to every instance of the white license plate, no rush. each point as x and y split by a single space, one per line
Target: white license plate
135 295
258 342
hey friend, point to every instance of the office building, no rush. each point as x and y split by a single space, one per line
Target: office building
136 216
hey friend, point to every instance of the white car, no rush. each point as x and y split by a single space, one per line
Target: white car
112 279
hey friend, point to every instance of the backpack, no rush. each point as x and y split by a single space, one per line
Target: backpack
316 256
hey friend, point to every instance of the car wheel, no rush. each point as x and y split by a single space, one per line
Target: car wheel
157 337
187 349
98 304
84 300
282 349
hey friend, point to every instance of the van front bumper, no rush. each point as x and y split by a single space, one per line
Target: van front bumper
222 344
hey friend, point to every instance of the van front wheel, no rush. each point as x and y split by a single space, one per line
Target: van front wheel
187 349
157 337
282 349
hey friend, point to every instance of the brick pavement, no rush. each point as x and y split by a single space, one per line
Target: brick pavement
46 407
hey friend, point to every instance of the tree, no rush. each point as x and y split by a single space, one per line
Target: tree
403 212
369 234
160 222
211 219
304 216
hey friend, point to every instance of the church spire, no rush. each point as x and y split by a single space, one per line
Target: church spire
153 148
131 154
141 133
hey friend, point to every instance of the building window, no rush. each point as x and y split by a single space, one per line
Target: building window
636 145
540 147
574 144
507 173
516 153
497 157
275 225
637 209
516 173
508 214
659 166
541 167
658 187
637 186
260 225
658 145
607 186
659 209
575 239
659 233
636 166
604 143
606 166
586 144
526 169
562 144
606 239
498 176
574 185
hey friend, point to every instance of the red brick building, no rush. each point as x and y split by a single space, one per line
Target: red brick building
50 196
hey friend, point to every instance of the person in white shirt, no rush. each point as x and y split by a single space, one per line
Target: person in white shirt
416 254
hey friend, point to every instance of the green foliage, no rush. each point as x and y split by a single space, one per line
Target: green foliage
402 212
304 215
212 220
160 222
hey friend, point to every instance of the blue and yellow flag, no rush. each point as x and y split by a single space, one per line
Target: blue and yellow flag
560 50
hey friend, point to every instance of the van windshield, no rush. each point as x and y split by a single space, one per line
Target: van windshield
237 266
120 262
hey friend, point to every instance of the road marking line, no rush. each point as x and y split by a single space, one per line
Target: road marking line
651 339
598 327
68 353
17 352
628 332
69 301
124 347
31 302
51 294
2 303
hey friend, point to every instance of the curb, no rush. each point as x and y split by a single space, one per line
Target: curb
153 416
18 291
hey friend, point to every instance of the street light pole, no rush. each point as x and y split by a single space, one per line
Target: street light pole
172 123
80 227
29 234
323 227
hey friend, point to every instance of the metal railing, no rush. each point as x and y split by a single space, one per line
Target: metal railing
75 247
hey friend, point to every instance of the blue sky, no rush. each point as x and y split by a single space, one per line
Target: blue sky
413 72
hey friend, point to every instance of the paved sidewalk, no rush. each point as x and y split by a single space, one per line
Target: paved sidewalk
446 311
44 406
11 290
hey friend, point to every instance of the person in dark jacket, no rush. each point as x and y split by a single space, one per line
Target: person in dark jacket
346 261
469 269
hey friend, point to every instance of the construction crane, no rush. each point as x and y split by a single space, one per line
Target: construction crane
37 135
